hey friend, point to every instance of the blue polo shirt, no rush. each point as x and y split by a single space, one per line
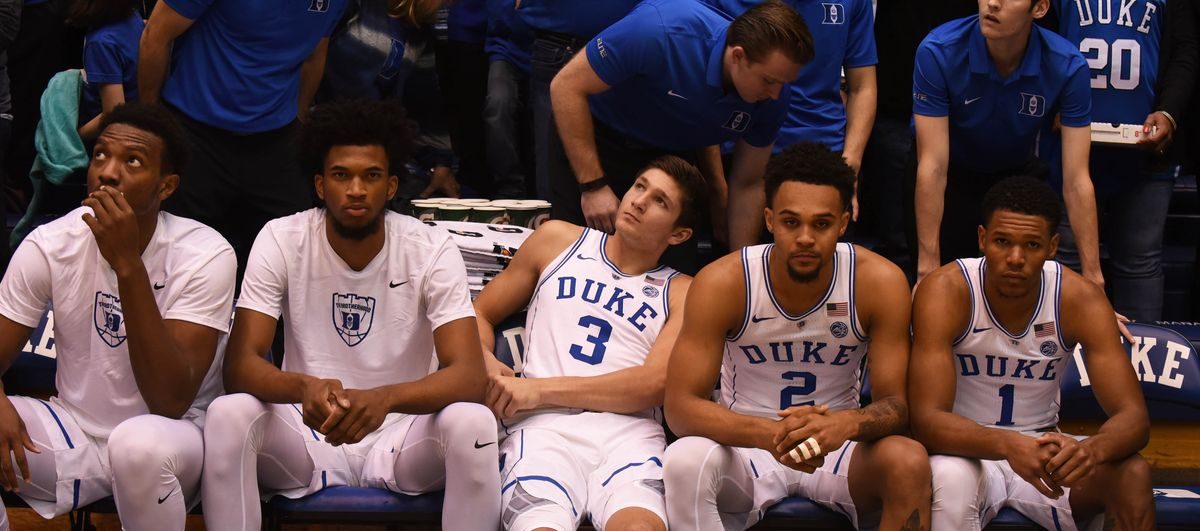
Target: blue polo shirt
844 33
582 18
663 62
467 21
237 67
994 121
110 57
509 39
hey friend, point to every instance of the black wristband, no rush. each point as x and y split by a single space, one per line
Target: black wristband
594 184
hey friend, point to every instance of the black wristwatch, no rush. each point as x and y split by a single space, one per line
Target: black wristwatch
594 184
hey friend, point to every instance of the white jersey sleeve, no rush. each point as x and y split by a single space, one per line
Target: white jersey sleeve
444 288
25 290
265 282
206 295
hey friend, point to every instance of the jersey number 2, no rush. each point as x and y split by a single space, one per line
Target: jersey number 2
808 384
598 339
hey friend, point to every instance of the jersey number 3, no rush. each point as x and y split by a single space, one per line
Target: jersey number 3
597 339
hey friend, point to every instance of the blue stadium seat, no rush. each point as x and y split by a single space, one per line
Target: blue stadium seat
354 505
369 505
1167 366
32 373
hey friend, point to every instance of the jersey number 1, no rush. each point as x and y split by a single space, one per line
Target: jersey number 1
1006 404
598 339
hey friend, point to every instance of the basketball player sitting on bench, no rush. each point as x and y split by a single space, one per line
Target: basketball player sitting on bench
361 399
787 329
992 337
582 429
140 299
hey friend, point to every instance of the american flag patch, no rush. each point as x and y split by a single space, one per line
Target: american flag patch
837 309
1043 329
654 281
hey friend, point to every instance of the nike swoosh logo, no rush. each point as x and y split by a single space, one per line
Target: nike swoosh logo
978 330
160 285
477 445
675 94
757 319
164 498
582 257
396 284
972 100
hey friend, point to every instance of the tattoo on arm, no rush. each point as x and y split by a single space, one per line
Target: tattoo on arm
885 417
913 523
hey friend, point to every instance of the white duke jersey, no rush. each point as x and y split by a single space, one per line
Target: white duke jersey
1010 380
192 272
777 360
588 318
366 328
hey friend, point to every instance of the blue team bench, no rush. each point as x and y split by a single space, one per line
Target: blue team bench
1165 360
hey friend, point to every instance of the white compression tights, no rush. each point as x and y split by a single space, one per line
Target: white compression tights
251 445
155 462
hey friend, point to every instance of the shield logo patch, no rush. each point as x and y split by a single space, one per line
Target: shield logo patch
109 321
352 316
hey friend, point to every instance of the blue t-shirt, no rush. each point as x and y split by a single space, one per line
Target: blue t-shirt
238 67
467 21
509 39
664 64
844 33
1121 46
994 122
583 18
110 56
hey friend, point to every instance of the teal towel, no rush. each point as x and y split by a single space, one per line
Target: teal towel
60 151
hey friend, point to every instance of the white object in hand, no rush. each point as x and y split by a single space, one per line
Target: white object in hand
1107 133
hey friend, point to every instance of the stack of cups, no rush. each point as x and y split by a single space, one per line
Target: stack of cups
529 213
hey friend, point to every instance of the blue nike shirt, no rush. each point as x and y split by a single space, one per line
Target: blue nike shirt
663 62
994 121
110 57
844 33
582 18
237 67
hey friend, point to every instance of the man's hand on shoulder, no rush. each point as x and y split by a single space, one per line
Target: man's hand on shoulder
600 208
359 412
14 440
1028 458
115 228
507 395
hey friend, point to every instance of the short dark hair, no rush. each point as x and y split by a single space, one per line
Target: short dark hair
356 123
691 184
156 120
771 25
811 163
91 14
1023 195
